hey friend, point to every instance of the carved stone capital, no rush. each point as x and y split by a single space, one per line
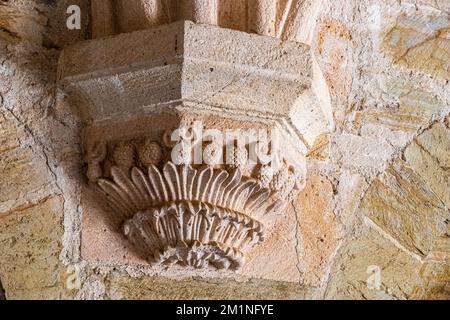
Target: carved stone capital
134 89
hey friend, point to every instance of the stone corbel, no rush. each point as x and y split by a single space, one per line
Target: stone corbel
135 89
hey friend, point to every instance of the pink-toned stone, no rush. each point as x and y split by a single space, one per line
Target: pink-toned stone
319 230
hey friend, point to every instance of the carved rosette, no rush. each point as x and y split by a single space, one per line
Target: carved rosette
190 215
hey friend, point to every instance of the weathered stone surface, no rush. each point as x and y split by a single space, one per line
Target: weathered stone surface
397 124
30 243
17 166
123 287
419 40
320 149
239 81
403 205
332 41
318 229
435 282
31 214
386 63
350 189
364 250
281 19
276 258
361 154
332 44
20 160
209 67
40 22
429 156
9 134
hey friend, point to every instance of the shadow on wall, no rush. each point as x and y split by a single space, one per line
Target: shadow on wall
2 292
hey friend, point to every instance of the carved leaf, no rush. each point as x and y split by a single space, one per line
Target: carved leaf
193 217
155 231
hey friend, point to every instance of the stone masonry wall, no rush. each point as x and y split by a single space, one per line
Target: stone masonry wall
377 188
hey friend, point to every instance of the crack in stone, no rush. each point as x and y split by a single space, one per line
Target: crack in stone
399 154
431 156
441 200
387 235
236 80
23 205
44 154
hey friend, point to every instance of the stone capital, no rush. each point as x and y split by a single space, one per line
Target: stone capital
134 89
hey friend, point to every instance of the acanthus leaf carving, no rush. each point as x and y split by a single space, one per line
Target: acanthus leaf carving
216 212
